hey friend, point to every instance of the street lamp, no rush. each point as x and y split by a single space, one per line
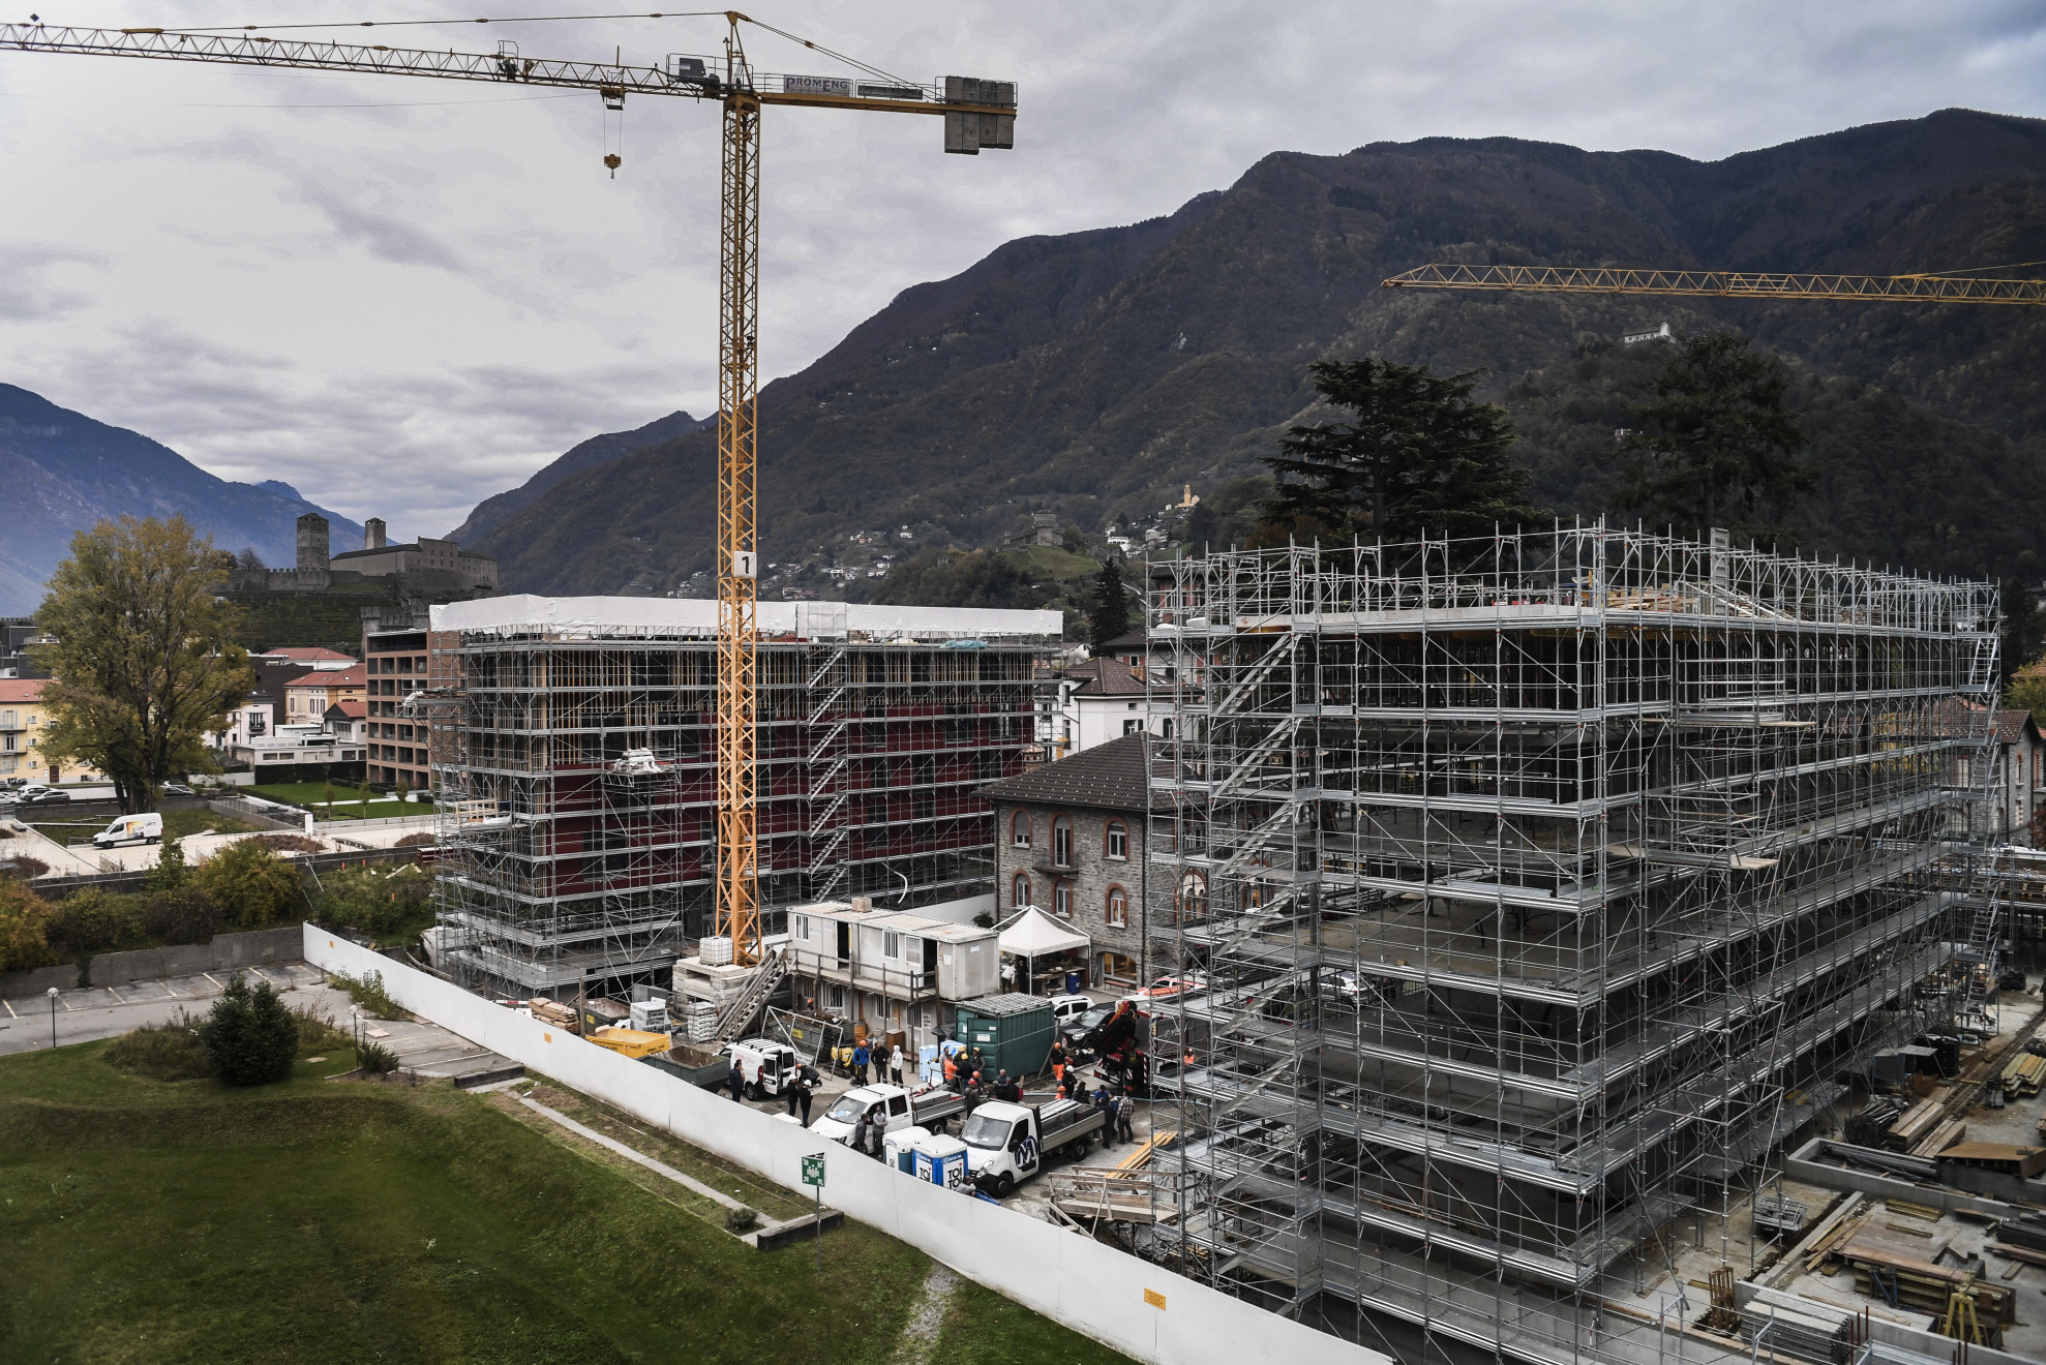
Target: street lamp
52 993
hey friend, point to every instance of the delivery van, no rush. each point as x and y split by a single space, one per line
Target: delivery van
131 829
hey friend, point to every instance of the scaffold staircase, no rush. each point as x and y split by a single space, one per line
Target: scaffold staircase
745 1007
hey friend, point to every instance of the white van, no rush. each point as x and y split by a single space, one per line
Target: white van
131 829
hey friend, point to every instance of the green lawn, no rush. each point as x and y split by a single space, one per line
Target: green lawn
341 1221
311 794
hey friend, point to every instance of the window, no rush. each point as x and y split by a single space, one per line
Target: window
891 944
1190 900
1062 842
1116 841
1118 908
1132 726
1062 899
799 926
1019 829
1019 891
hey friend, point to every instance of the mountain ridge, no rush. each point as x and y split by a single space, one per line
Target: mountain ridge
69 471
1088 374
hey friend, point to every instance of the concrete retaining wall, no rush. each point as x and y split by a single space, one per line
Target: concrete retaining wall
1147 1313
225 953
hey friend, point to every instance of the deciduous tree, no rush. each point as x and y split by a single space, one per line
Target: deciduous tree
144 656
1416 454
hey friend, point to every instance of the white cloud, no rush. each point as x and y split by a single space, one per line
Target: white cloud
402 296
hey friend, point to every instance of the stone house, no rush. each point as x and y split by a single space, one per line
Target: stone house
1069 839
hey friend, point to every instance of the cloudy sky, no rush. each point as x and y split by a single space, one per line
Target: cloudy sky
403 295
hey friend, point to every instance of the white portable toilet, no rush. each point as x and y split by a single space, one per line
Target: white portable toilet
942 1161
895 1148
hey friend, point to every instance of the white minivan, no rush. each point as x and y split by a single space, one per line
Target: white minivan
131 829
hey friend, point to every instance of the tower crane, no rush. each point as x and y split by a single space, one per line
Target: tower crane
1725 284
978 114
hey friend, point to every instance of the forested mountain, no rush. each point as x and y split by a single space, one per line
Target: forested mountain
1092 375
63 472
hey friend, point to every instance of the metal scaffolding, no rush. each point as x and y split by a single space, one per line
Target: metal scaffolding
577 830
1542 884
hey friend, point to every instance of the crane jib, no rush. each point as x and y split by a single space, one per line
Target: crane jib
497 68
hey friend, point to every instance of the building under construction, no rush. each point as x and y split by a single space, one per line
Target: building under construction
577 778
1542 885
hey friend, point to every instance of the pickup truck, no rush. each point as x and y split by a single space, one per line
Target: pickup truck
1006 1143
929 1109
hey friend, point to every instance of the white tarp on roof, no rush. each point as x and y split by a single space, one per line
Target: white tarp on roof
685 616
1036 934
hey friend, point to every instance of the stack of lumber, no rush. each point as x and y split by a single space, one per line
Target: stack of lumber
1900 1267
2024 1075
1798 1327
1918 1122
2022 1238
550 1012
1941 1138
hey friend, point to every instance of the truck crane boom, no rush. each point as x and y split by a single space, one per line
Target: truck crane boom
1735 284
977 113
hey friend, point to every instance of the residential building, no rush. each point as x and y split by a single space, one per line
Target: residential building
577 770
1091 702
307 697
345 721
1070 839
17 633
23 720
254 719
892 969
300 751
1552 881
276 667
2019 774
403 661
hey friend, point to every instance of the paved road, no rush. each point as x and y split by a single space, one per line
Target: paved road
105 1011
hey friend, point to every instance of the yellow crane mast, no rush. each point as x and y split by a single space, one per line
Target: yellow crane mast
1723 284
978 114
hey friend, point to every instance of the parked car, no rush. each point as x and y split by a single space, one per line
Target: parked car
45 796
1066 1008
1082 1025
177 789
1166 987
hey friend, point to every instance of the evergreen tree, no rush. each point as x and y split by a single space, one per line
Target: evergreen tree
250 1037
1718 444
1417 454
1108 614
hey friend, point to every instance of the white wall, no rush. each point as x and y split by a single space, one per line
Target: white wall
1083 1284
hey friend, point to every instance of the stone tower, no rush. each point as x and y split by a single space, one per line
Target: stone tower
373 534
312 551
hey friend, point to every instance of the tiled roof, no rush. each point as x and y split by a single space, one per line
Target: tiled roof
1106 777
22 689
1131 640
332 677
1110 678
305 654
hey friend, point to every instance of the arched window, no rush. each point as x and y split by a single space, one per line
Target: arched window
1190 900
1019 829
1062 842
1118 913
1115 841
1019 891
1062 899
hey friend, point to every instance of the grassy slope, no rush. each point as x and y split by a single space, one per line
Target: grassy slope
344 1222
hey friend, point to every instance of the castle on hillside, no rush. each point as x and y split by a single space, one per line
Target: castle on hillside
428 569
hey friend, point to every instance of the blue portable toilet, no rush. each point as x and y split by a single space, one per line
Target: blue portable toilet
942 1161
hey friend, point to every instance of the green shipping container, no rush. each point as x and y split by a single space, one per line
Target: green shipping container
1013 1032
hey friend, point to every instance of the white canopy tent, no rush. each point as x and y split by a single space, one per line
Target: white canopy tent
1036 934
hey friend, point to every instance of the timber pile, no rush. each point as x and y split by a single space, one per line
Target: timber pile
550 1012
1941 1138
1918 1122
1902 1269
2024 1075
2023 1238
